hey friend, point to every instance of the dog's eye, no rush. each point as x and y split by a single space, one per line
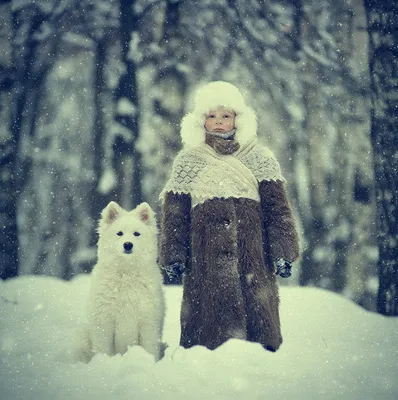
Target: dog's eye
137 234
120 233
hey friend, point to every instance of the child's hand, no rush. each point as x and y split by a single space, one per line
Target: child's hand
174 271
283 268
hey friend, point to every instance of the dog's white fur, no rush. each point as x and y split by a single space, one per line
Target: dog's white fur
126 302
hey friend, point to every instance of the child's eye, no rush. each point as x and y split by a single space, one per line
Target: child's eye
137 234
211 116
120 233
227 116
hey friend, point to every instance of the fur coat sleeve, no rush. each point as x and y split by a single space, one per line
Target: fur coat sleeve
278 221
175 229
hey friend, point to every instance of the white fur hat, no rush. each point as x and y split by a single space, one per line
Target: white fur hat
213 95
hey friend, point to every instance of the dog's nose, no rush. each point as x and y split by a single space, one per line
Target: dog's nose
128 246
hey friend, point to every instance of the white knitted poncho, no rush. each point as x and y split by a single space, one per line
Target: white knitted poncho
204 174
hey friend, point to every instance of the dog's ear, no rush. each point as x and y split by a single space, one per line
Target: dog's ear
146 214
110 213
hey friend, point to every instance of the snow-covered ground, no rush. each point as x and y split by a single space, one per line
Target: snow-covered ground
332 349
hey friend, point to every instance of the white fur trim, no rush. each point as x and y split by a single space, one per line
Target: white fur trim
219 94
213 95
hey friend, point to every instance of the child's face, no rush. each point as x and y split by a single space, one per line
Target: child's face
220 120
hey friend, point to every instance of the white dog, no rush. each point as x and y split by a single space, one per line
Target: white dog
126 302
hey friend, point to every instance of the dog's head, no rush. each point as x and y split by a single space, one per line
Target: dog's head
127 233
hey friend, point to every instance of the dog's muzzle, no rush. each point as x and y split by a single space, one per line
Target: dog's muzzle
128 247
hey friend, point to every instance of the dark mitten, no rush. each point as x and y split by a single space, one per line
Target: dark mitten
174 271
283 268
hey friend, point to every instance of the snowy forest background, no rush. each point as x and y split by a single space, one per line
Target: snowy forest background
92 93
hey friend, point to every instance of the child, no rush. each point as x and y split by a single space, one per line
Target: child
225 222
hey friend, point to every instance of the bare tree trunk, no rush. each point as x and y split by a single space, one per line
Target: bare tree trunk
361 260
126 153
383 64
315 255
99 199
8 221
342 181
171 86
27 80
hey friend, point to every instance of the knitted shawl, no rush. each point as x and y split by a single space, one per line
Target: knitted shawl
204 174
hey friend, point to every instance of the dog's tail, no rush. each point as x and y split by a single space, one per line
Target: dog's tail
81 348
78 349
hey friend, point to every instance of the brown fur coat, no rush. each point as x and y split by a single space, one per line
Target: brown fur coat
228 246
